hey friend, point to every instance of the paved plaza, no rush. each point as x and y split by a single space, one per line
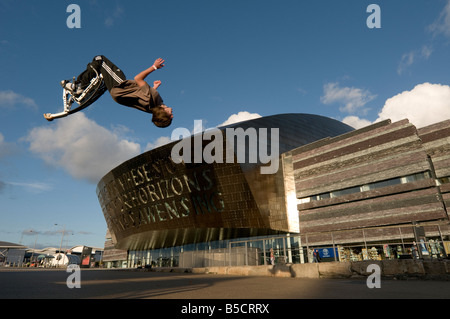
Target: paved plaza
128 284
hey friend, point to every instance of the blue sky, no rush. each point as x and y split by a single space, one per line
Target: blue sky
224 60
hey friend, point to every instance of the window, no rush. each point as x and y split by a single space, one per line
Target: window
363 188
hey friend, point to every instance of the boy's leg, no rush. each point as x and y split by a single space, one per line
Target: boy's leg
112 75
84 79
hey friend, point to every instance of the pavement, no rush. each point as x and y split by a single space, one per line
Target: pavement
127 284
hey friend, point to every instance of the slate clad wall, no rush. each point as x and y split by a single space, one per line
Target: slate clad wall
436 141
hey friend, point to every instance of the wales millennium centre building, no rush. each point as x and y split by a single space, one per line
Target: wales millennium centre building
276 188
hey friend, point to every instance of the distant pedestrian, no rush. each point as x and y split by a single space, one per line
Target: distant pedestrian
316 257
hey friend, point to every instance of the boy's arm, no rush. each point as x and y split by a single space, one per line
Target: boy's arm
140 78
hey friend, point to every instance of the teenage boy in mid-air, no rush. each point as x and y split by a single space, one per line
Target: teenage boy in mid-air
135 93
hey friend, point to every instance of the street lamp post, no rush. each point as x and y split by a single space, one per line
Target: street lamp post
62 237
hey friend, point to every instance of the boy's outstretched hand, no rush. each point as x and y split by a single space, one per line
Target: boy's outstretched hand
156 84
159 63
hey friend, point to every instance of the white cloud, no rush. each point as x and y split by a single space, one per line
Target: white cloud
79 145
426 51
409 58
352 99
34 187
356 122
301 91
116 14
406 60
240 117
442 24
10 98
163 140
425 104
